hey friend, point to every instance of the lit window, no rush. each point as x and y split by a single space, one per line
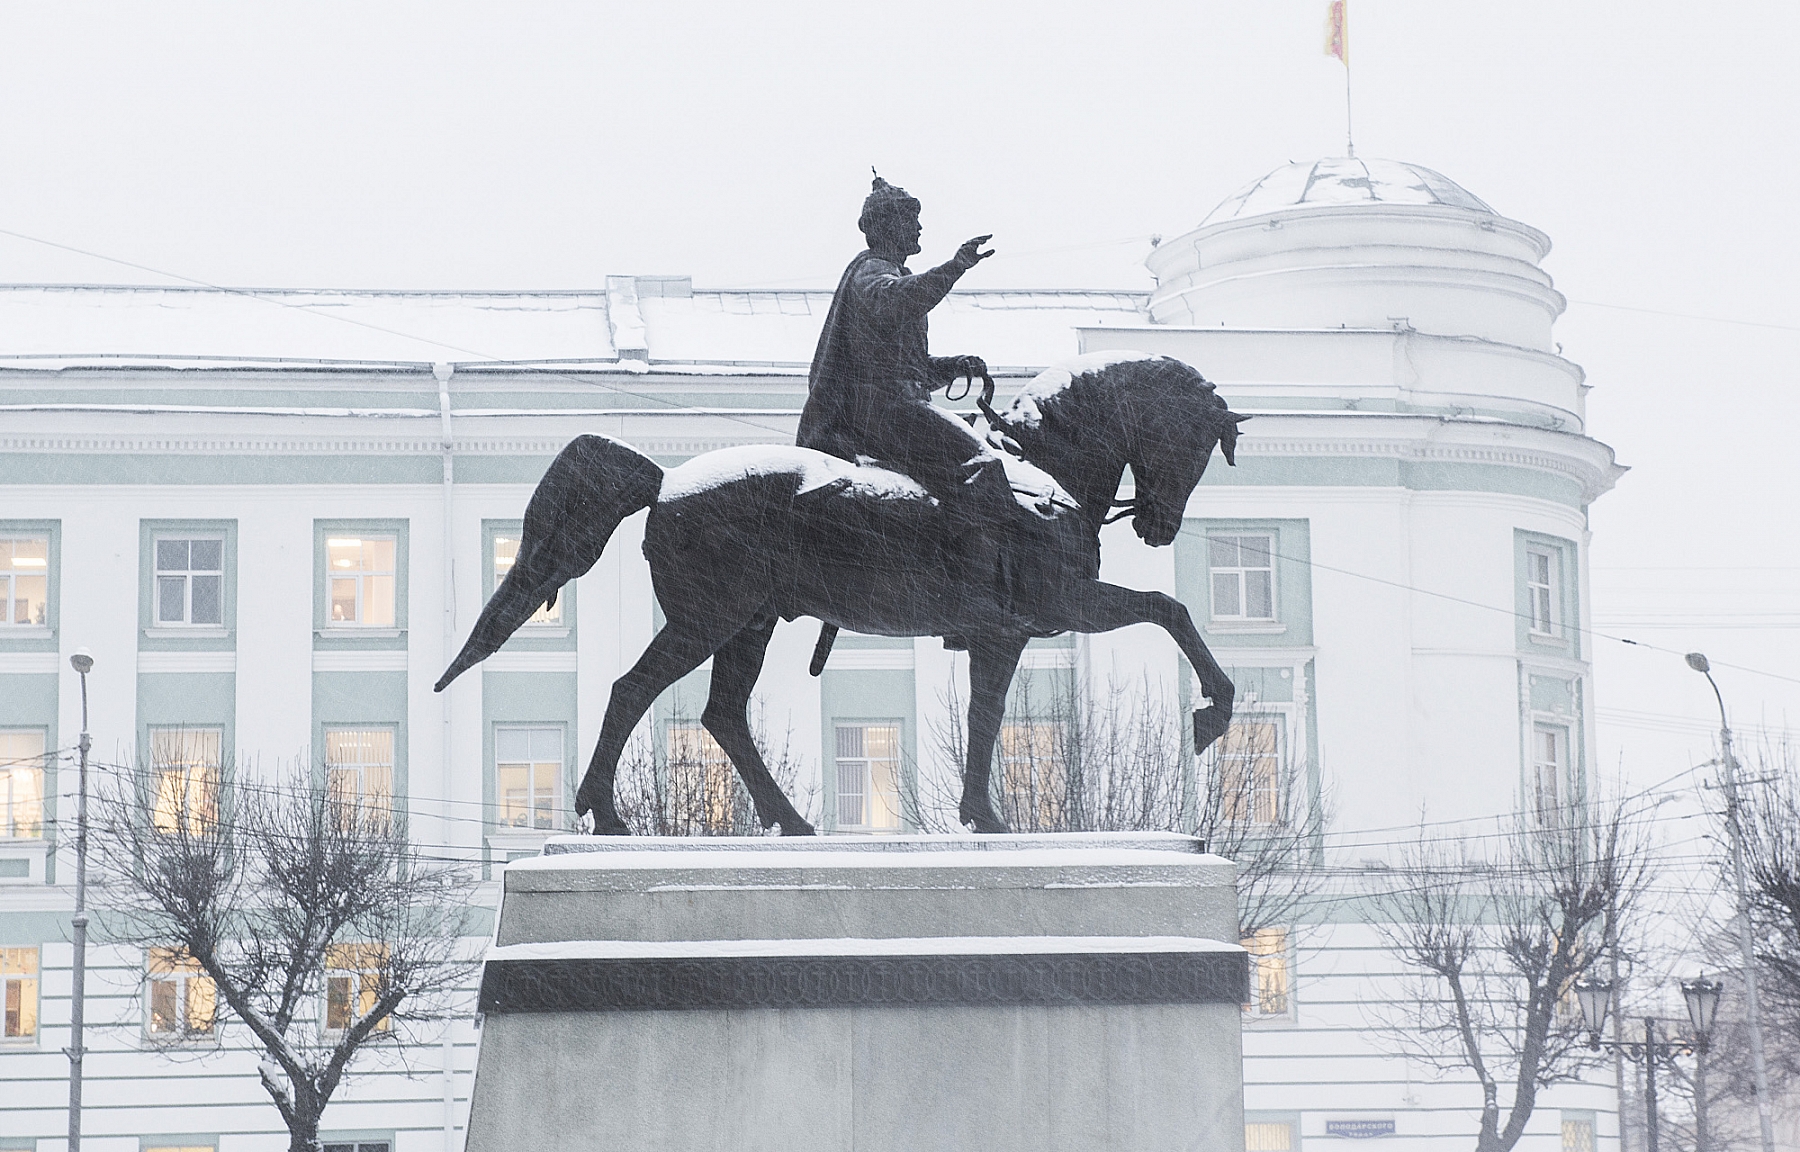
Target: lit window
184 766
868 776
506 549
355 975
1578 1135
359 769
1033 775
22 783
1243 577
1270 972
360 571
1268 1136
1550 772
183 1001
19 973
528 768
1246 769
702 782
24 581
190 581
1540 588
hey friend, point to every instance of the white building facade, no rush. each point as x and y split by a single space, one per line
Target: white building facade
273 516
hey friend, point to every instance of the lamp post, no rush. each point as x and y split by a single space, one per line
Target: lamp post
1733 823
83 663
1702 996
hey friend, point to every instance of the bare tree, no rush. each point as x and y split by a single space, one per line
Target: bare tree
1498 941
684 784
1070 763
304 910
1770 817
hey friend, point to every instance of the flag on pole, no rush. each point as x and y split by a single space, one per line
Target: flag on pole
1337 31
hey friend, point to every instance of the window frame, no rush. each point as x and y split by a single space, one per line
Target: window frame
9 958
1277 959
341 635
559 793
209 773
1545 595
1562 735
868 793
359 988
11 766
1242 572
183 972
48 532
187 575
389 730
360 577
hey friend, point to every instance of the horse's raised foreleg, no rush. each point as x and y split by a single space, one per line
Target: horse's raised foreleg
992 662
677 650
727 716
1096 606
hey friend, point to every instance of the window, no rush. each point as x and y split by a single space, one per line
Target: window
359 769
1246 769
184 770
180 1148
868 776
360 572
358 1146
183 1001
1270 987
1243 577
24 581
702 782
1578 1134
1033 776
355 975
1541 589
506 548
21 783
528 769
190 581
1550 772
1269 1136
19 973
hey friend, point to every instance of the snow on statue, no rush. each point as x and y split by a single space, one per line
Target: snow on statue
893 517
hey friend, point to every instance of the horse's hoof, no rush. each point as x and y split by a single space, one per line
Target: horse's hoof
1209 725
797 827
980 817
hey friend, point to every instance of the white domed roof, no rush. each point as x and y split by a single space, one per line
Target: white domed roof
1345 181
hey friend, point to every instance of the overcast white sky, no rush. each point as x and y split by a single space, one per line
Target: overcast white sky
546 145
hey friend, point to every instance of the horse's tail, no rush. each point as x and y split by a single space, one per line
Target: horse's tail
592 484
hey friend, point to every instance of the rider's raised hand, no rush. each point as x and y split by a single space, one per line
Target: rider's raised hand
970 254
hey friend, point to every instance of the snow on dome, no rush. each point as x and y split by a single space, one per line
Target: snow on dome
1347 181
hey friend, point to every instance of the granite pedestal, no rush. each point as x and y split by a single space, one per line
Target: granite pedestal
1049 993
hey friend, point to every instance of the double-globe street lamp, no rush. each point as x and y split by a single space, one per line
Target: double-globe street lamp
1702 996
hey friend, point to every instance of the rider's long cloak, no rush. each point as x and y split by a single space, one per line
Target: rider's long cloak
873 351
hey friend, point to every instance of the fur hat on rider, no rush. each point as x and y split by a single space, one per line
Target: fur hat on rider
883 201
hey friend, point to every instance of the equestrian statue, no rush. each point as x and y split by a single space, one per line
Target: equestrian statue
891 516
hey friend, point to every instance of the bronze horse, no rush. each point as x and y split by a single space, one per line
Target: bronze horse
742 537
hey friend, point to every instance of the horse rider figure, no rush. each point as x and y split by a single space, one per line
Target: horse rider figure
869 392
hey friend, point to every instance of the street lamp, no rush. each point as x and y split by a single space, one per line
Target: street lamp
1733 823
1702 997
83 663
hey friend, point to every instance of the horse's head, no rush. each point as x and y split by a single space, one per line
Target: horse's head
1086 419
1175 418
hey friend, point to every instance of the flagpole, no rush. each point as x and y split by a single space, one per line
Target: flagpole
1349 122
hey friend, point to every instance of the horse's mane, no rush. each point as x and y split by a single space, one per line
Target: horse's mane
1120 380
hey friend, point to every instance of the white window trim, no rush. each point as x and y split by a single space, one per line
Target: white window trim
1553 631
183 1037
1293 742
1242 623
37 978
6 585
510 830
389 630
1564 727
869 800
185 626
